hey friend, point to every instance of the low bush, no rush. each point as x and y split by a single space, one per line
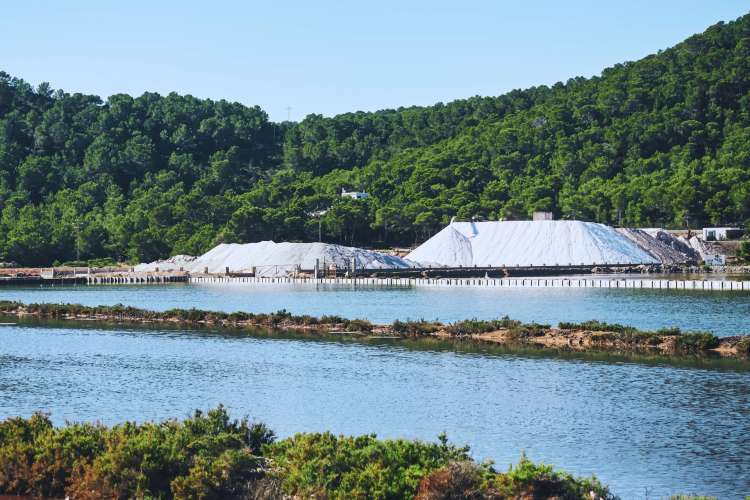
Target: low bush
359 325
530 480
597 326
743 346
332 319
328 466
420 327
696 341
671 330
476 326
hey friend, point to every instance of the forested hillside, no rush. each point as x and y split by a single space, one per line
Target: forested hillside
654 142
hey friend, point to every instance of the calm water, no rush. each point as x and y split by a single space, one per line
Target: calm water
646 430
724 313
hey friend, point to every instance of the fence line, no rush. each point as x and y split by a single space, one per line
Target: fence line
654 284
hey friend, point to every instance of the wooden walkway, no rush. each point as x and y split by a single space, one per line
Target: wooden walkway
624 283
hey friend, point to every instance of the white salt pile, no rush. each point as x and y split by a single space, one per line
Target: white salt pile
280 259
170 264
528 243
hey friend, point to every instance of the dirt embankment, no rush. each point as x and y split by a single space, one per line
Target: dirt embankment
585 340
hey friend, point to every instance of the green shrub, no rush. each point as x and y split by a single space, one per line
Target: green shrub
530 480
696 341
743 252
205 456
420 327
359 325
476 326
743 346
330 466
672 330
332 319
597 326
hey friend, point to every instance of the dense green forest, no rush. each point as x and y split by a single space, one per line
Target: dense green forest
661 141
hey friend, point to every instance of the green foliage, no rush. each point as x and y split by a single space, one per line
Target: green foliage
743 252
357 467
650 142
696 341
210 456
517 329
597 326
420 327
743 346
530 480
205 456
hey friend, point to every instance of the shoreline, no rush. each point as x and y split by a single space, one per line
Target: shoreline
591 336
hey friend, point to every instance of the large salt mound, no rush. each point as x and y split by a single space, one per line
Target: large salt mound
529 243
279 259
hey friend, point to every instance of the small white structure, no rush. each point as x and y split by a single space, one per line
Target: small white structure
542 216
721 233
354 195
715 259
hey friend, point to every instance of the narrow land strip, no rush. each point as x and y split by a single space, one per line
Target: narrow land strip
586 336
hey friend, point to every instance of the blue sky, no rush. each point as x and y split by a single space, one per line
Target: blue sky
332 57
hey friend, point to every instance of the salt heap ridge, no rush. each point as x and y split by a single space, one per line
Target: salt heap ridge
269 258
528 243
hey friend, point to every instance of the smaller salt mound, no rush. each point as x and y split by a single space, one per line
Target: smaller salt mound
280 259
529 243
170 264
664 246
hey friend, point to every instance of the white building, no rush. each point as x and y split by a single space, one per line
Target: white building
354 195
715 259
721 233
542 216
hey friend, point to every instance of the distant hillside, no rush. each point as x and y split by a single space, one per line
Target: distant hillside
658 141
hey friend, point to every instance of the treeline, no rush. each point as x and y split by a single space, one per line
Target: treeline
211 456
663 141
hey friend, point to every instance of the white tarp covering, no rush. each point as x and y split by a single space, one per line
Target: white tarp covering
279 259
528 243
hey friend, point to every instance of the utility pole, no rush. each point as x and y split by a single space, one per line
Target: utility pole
288 113
319 214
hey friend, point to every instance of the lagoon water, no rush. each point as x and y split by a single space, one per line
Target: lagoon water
723 313
648 429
